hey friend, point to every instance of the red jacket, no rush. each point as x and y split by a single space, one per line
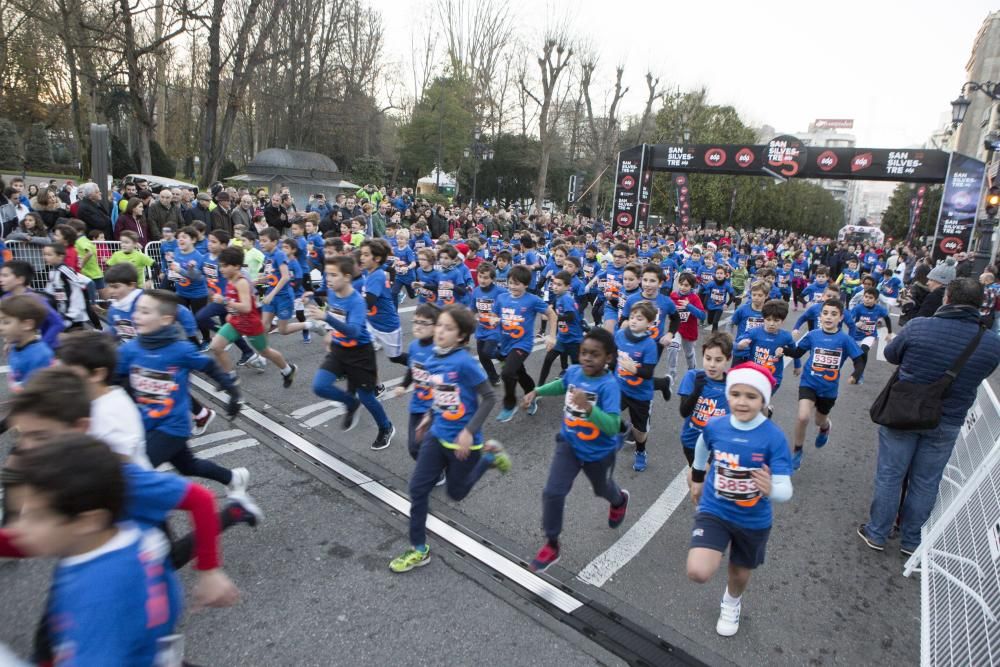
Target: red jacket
689 323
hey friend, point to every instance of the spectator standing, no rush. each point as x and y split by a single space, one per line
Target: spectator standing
937 281
924 351
164 212
222 215
95 213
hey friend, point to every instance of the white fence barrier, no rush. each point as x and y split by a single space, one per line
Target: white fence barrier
32 253
959 554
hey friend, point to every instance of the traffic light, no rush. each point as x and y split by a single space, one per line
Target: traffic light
992 201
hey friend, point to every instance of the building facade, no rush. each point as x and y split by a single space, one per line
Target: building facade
982 116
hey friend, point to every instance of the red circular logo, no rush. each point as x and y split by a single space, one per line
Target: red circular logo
628 182
624 219
684 191
681 180
951 245
715 157
827 160
744 158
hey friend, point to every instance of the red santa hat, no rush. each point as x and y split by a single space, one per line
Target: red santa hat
753 375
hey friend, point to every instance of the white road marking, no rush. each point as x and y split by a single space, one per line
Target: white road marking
407 309
602 568
4 370
209 438
311 408
339 409
212 452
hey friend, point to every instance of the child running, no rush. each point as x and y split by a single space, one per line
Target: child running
588 439
243 320
703 392
20 318
637 359
450 435
351 354
828 348
420 351
750 469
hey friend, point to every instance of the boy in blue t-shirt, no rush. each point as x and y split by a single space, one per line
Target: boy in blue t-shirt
517 310
185 271
828 348
866 317
383 317
748 316
718 291
815 291
569 331
20 317
351 353
588 439
156 366
637 357
889 288
703 392
418 355
114 595
765 345
277 278
741 465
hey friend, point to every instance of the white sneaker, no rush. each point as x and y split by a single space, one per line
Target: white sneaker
729 619
238 485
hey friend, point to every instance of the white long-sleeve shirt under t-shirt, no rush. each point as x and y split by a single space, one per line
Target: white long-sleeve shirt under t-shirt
116 420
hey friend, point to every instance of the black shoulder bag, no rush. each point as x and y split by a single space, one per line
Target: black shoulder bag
909 406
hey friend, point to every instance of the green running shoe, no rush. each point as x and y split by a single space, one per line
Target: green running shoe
410 559
497 456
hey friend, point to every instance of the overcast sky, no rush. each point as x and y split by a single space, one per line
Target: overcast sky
892 66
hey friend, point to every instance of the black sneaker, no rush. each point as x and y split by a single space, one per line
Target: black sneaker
384 437
351 417
379 390
495 382
247 356
868 541
667 382
286 380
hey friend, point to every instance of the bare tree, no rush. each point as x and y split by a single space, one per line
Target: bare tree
604 132
553 61
651 98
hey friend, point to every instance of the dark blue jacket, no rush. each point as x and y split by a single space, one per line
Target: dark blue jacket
927 347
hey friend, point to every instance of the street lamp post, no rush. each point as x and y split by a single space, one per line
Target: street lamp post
478 151
985 227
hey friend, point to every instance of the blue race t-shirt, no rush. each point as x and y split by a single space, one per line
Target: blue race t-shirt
270 274
641 350
455 377
763 346
746 318
112 605
214 279
488 326
711 402
866 320
186 286
402 259
350 312
517 320
383 315
568 332
24 361
665 307
716 293
588 441
730 493
827 354
420 354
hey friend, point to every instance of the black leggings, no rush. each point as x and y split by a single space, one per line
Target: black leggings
487 352
196 304
570 354
162 447
713 318
512 374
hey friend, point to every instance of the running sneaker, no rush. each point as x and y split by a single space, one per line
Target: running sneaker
377 345
441 479
507 414
497 456
238 484
495 382
630 439
617 514
379 390
797 459
640 462
286 380
546 557
871 544
665 389
245 358
258 363
729 619
384 437
241 508
907 551
201 423
351 417
306 336
533 408
823 436
410 559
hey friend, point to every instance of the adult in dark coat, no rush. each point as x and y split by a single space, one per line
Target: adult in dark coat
937 280
95 213
222 216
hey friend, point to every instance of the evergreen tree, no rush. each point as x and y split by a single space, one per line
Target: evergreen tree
38 148
10 145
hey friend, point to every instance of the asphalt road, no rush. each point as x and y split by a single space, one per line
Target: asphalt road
317 589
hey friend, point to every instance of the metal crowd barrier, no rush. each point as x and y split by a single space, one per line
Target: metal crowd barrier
32 253
959 554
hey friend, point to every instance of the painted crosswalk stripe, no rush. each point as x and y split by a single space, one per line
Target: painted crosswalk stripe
209 438
212 452
335 412
311 408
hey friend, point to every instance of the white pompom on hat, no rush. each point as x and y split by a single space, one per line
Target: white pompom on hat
753 375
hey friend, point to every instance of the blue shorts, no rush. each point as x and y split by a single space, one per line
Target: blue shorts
746 546
282 306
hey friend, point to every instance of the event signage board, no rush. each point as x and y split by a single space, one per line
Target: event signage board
963 190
